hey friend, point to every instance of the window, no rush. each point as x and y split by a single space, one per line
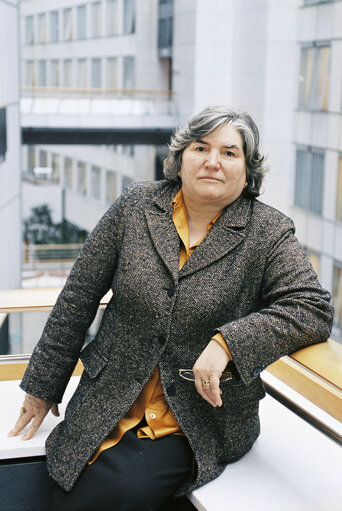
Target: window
126 181
67 73
82 73
31 158
68 173
42 29
81 22
112 73
29 38
82 178
54 75
314 77
112 17
56 169
96 183
54 35
111 193
42 159
30 74
312 2
96 19
337 296
67 24
3 134
165 33
129 17
128 73
309 179
315 260
96 73
339 190
42 73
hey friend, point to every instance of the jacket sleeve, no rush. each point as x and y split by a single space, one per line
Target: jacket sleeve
295 310
56 354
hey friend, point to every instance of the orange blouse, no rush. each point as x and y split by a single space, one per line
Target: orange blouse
151 402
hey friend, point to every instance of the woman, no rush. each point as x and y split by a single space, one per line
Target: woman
204 276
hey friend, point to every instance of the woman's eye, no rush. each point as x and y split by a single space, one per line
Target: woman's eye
200 149
229 153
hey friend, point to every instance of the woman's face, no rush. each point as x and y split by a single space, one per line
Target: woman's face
214 168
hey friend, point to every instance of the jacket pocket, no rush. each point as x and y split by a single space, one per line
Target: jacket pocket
92 360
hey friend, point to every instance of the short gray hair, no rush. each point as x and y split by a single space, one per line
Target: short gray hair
204 123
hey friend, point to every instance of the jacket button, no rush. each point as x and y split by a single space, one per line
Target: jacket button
256 371
171 390
162 339
171 291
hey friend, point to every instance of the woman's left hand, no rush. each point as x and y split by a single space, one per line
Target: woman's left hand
208 368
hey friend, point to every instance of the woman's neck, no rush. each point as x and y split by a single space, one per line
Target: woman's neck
199 217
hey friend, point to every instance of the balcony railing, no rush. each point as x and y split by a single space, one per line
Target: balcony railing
314 372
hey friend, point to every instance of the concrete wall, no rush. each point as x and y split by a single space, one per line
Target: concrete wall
10 227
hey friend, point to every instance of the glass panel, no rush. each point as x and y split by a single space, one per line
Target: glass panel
56 169
317 183
31 158
30 74
54 75
337 297
42 158
81 22
315 260
82 73
112 17
111 192
129 17
67 74
126 181
302 183
96 73
322 80
68 181
96 19
95 183
19 332
82 178
42 73
339 190
112 73
165 33
67 24
128 73
29 38
42 30
54 36
306 76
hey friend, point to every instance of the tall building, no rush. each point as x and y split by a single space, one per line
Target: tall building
10 222
117 61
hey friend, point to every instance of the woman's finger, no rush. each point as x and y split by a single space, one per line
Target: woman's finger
204 390
24 419
35 424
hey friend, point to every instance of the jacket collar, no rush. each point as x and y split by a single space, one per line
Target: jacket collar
226 234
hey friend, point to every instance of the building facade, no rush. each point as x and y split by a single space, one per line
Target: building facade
279 60
10 221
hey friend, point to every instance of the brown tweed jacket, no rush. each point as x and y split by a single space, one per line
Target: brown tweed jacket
249 279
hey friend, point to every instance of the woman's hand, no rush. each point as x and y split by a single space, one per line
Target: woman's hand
36 409
208 368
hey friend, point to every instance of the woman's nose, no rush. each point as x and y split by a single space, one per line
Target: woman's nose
212 160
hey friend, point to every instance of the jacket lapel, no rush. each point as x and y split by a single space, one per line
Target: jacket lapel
163 231
225 235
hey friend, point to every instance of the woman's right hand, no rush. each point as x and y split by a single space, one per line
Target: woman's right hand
34 409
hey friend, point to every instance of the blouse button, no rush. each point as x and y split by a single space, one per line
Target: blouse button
152 415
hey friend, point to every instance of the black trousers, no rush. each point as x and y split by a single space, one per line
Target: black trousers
135 475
